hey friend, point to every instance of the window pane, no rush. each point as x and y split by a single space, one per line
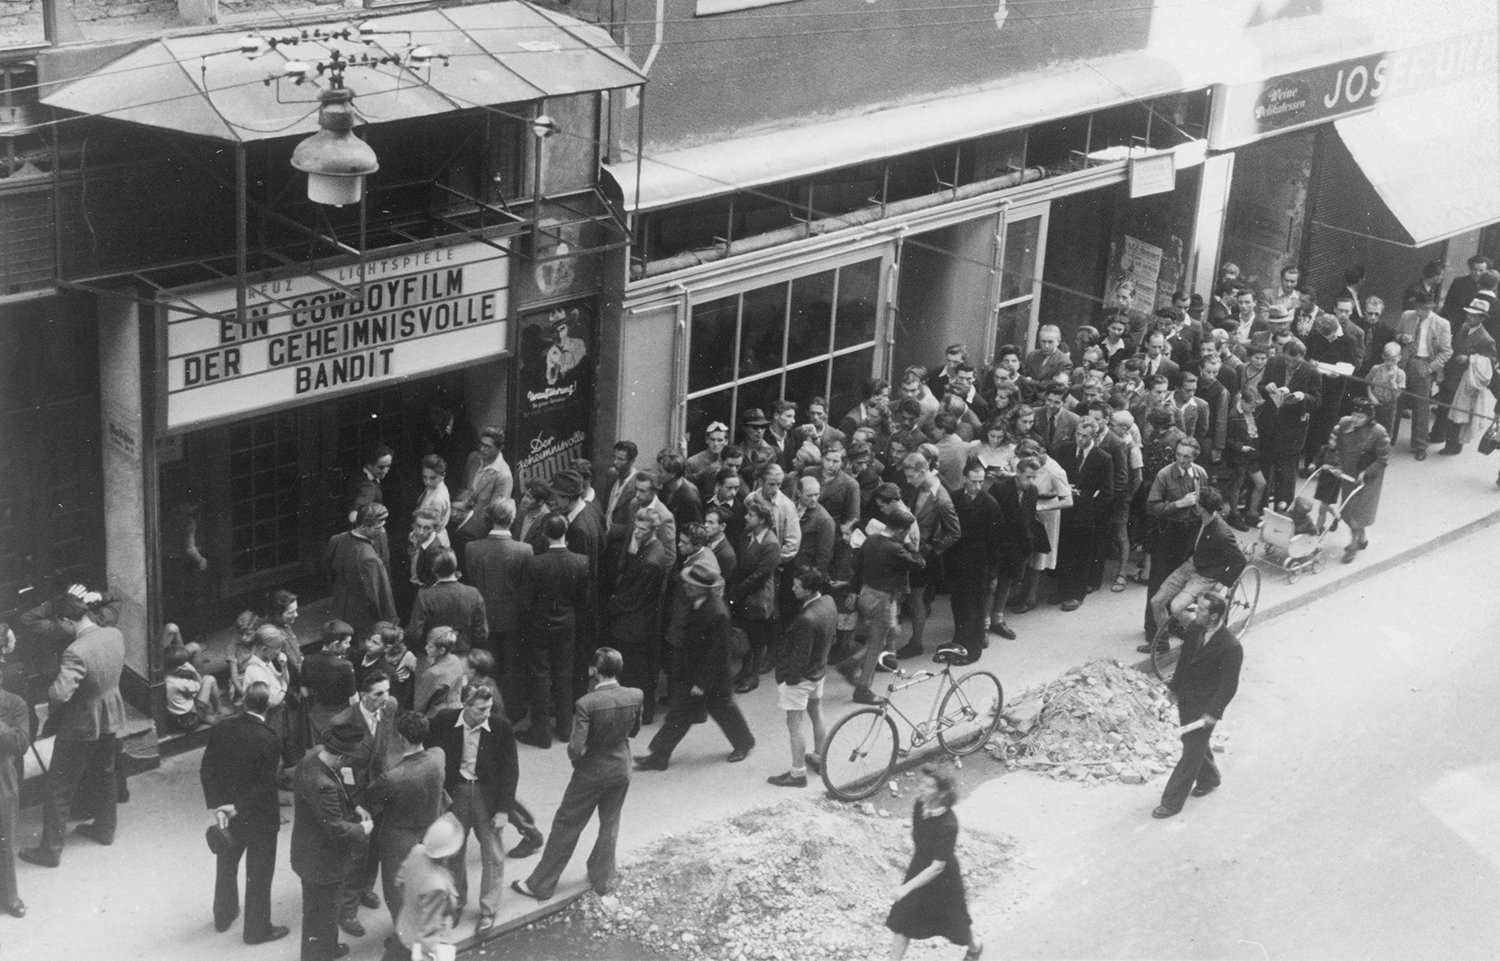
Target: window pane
805 383
859 299
849 375
1018 271
812 316
1011 323
761 393
711 358
702 411
762 327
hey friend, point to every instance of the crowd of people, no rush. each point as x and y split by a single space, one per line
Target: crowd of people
577 606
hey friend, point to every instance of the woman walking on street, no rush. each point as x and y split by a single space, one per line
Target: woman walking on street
930 902
1359 449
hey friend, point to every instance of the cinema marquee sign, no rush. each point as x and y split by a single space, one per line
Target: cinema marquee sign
306 339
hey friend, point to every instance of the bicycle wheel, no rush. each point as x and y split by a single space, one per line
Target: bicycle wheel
860 754
970 712
1243 598
1163 655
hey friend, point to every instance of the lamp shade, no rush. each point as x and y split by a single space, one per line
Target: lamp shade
336 162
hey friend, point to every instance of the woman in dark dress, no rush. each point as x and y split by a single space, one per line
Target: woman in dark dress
930 903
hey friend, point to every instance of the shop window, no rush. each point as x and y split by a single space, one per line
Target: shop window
795 339
264 469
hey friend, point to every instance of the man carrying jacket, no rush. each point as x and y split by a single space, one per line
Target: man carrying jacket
1208 674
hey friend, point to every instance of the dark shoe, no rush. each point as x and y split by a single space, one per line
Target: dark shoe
1023 607
863 695
340 949
1363 543
486 922
1071 604
370 900
522 888
1419 454
1146 648
1204 789
16 909
1449 451
94 833
1003 629
226 923
41 857
352 927
1349 553
650 762
530 844
540 739
276 933
909 651
749 684
740 753
813 762
1164 812
788 780
1237 522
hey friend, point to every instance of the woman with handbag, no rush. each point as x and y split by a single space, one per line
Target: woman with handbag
1359 449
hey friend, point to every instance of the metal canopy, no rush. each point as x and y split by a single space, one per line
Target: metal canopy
499 53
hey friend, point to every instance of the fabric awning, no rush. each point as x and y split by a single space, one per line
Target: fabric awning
509 52
692 173
1433 156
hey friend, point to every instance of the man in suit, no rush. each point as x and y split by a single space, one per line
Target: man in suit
364 489
1084 525
1015 495
497 568
1155 361
1055 424
372 718
361 592
937 530
480 774
1214 563
1171 504
617 480
1044 363
728 494
15 738
817 416
1328 344
1426 341
412 569
1292 390
404 800
604 721
876 395
329 835
969 561
1428 288
819 536
1463 290
751 595
1354 276
634 610
1207 676
801 665
86 712
447 603
677 495
584 533
240 764
702 666
558 600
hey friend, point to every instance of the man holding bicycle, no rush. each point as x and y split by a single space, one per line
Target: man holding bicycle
1216 562
1208 674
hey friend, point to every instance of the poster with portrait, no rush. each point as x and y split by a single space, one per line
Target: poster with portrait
554 416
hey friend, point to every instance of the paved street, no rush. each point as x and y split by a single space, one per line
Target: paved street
1362 784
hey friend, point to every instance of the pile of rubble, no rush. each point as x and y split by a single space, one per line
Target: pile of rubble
802 879
1103 721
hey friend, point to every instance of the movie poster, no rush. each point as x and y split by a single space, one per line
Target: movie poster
555 414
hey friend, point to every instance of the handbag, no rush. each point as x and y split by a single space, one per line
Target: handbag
1040 542
1489 440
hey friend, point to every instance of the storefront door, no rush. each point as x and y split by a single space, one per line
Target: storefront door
1018 300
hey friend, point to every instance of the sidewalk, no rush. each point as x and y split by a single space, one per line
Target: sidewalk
149 895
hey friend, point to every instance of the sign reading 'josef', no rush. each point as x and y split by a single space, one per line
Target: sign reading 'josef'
305 339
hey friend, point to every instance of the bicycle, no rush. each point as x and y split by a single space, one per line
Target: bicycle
861 751
1243 597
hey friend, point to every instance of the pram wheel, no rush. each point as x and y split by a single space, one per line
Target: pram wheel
1293 575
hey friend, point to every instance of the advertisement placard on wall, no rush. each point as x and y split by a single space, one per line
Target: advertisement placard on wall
309 337
555 413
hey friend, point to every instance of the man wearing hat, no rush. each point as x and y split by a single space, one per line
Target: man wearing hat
585 531
1470 338
753 424
240 764
429 897
702 665
329 834
361 593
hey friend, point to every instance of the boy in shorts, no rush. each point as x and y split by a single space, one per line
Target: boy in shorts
801 663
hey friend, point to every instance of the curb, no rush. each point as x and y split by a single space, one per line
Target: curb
921 755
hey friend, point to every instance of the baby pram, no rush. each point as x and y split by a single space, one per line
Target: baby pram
1290 538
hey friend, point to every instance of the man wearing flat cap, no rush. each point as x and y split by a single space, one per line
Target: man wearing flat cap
702 664
328 835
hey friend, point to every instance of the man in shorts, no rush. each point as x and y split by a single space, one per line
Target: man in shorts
1216 562
801 664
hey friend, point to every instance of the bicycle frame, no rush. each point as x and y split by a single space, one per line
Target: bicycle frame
927 730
